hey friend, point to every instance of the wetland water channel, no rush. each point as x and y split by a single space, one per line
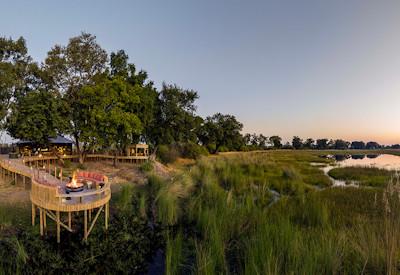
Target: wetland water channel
381 161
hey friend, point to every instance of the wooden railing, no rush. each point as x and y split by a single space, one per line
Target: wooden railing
54 197
91 156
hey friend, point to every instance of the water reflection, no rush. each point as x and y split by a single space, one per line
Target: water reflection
372 156
357 156
384 161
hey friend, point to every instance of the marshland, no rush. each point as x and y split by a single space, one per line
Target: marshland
263 212
199 137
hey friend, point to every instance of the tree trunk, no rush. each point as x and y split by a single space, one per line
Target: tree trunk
82 157
115 160
81 151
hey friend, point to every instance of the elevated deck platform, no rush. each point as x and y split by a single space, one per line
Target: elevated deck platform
51 198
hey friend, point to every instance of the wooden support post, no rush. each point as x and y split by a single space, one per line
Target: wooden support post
45 221
69 220
90 215
58 226
41 221
33 214
55 171
85 225
106 213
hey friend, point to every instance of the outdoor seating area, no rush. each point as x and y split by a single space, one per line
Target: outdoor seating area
94 178
54 197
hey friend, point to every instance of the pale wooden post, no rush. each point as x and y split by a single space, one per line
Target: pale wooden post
45 221
85 225
41 221
33 214
106 215
69 220
58 226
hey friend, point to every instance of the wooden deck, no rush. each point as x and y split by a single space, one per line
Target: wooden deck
49 196
90 157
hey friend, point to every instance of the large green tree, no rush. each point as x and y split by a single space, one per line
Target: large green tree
107 106
276 141
36 116
297 142
18 74
176 120
222 131
149 107
69 69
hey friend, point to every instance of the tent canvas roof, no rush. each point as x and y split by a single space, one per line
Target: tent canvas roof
56 140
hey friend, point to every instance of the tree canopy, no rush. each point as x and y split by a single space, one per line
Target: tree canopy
221 132
103 102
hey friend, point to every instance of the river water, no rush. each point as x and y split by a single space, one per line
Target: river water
382 161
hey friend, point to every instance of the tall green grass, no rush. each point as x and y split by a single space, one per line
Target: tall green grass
367 176
224 205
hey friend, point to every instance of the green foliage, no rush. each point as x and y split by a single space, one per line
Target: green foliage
368 176
233 228
192 150
147 167
108 105
149 107
174 253
222 149
221 131
18 74
67 164
297 142
168 154
69 69
36 116
177 119
276 141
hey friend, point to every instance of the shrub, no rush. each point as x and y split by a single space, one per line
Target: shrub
222 149
146 167
67 163
212 147
168 154
193 151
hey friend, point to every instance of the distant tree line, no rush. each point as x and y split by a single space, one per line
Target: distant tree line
103 102
261 142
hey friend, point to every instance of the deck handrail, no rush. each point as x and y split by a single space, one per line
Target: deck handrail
102 190
37 158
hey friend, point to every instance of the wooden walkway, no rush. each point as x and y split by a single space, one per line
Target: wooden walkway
17 167
90 157
49 196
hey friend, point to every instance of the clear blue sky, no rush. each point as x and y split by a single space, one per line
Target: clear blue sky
308 68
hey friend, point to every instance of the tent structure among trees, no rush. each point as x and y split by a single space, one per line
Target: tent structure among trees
59 145
141 150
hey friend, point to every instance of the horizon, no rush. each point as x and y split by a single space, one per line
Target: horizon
310 69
